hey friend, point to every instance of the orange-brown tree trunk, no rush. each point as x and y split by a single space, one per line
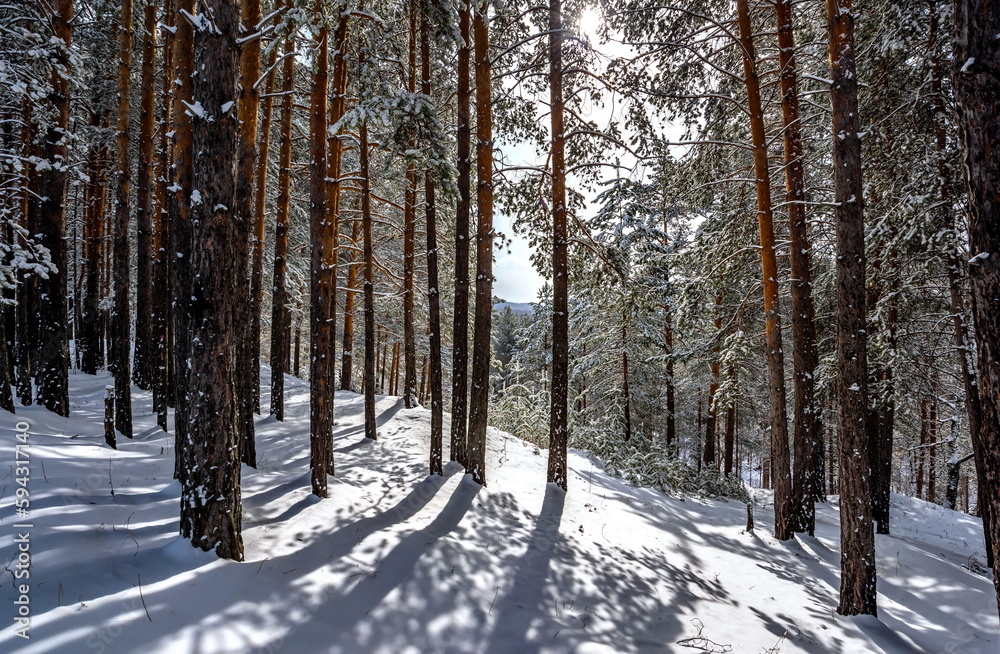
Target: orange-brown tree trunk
280 315
247 111
558 418
321 296
350 296
122 330
144 364
780 463
179 207
807 476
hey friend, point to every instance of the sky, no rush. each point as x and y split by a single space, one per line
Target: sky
516 280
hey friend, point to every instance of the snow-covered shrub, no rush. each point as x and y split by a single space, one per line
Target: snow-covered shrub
652 464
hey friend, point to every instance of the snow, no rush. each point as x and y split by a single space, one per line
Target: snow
968 64
399 562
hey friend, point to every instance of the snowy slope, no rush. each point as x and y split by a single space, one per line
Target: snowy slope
400 563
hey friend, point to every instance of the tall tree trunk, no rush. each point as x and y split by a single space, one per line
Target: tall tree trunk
144 363
366 228
780 463
6 360
90 335
247 112
922 449
857 535
932 437
260 217
433 294
321 292
807 477
558 418
479 397
409 231
964 348
121 339
52 365
180 226
164 250
626 395
730 440
350 294
280 315
335 156
211 511
668 339
460 320
880 432
713 388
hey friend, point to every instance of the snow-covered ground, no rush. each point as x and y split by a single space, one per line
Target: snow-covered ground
397 562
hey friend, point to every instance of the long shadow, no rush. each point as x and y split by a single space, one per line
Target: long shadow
380 420
523 601
397 567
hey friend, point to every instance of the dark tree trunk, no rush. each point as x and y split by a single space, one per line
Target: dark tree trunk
409 231
626 395
6 399
668 338
781 465
90 336
144 357
558 418
162 305
433 295
479 397
807 478
52 363
321 292
957 272
122 324
280 315
922 449
460 327
730 439
366 228
713 388
857 535
247 111
211 512
297 346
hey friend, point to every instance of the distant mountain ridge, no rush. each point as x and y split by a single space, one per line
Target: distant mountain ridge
520 308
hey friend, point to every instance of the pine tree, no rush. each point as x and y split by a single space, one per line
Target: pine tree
460 328
857 536
51 366
122 324
211 510
975 77
479 396
321 292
